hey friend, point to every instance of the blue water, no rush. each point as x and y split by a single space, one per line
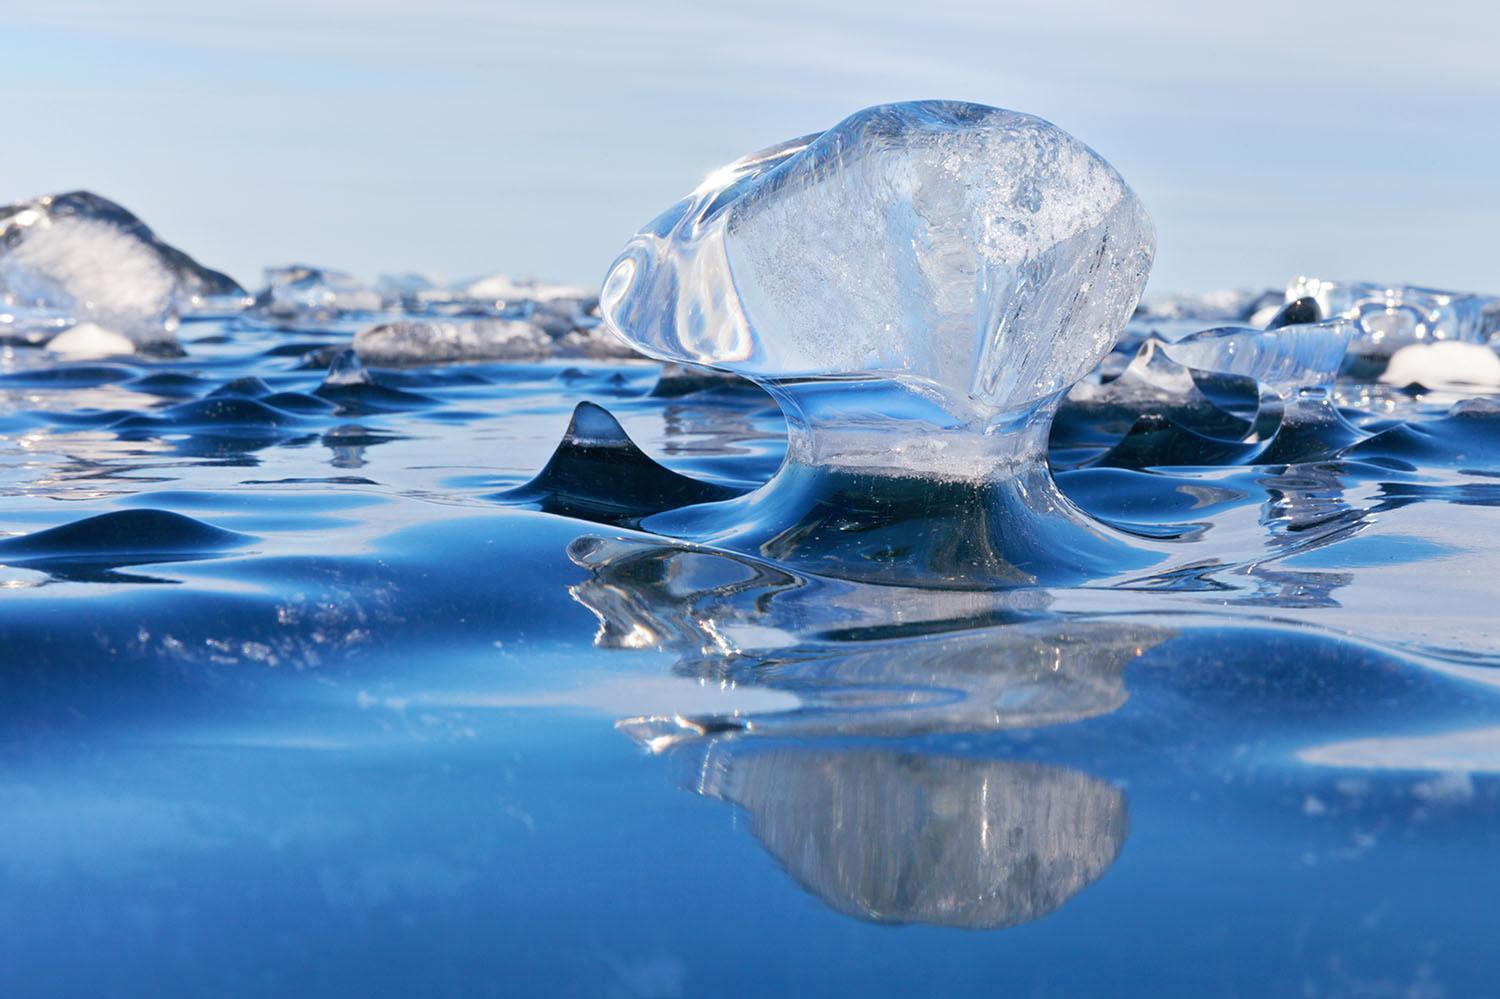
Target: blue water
321 706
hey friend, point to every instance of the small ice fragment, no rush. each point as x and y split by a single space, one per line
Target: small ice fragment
298 291
1298 312
598 473
1283 359
346 369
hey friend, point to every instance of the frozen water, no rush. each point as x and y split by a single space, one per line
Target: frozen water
346 369
504 289
1283 359
429 341
298 291
80 256
1444 364
1391 316
966 263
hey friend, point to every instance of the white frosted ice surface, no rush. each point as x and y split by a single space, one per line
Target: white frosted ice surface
430 341
89 341
1444 365
83 258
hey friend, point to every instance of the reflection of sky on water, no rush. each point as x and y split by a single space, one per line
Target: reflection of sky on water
400 738
1267 140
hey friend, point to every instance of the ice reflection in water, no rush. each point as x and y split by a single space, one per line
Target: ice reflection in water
896 837
884 833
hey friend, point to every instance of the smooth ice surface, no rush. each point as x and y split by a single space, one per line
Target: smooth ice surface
981 260
1284 359
302 697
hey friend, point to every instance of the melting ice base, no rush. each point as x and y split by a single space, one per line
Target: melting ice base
310 709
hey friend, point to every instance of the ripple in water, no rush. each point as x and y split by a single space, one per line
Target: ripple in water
442 645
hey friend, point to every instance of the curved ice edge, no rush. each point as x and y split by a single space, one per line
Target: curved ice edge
132 533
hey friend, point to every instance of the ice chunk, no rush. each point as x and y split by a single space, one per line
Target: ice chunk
1391 316
965 263
430 342
1283 359
84 257
412 292
345 369
435 341
301 292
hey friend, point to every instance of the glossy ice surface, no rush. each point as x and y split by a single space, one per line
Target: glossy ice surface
324 704
976 259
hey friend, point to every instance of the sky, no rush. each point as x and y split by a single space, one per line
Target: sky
1271 139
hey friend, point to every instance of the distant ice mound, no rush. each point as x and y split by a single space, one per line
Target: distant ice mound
897 837
436 341
80 258
966 264
304 292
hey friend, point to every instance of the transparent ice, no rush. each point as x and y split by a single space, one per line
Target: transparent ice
917 287
302 292
964 264
1392 316
1283 360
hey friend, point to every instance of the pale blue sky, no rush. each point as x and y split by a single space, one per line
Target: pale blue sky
1337 138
